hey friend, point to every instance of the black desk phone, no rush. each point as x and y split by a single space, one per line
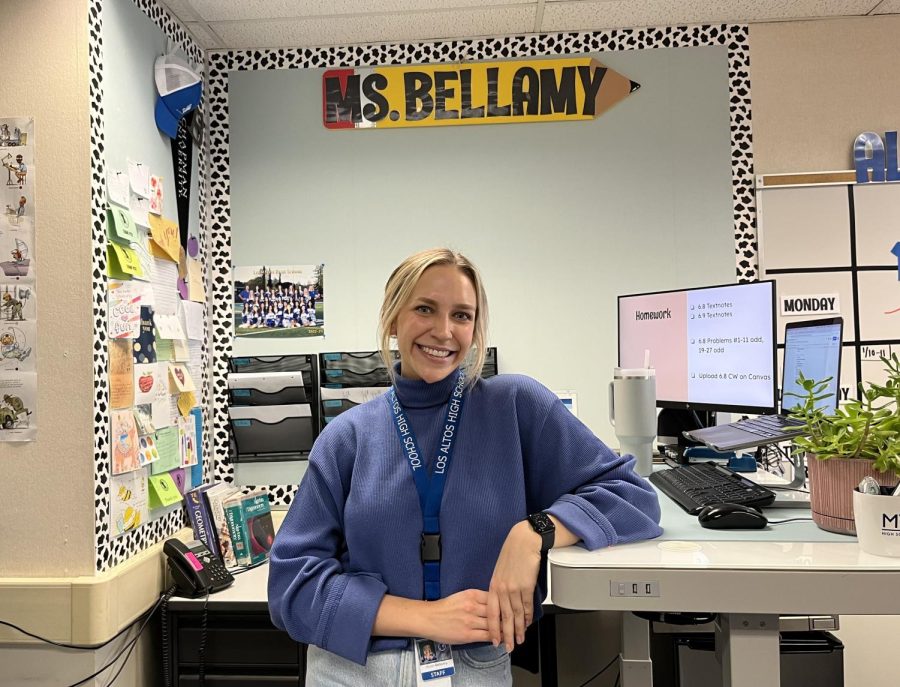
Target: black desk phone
196 571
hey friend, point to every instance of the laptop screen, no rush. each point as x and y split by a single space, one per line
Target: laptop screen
813 348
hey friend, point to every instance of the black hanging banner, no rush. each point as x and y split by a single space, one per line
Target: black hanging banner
182 157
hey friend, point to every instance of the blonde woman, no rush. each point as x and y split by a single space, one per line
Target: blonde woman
425 513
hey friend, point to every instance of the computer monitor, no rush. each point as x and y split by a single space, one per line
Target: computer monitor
713 347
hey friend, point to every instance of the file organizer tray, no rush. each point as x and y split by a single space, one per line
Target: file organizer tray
360 363
272 389
261 431
337 401
336 378
271 363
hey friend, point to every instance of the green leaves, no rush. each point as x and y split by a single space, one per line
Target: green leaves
868 428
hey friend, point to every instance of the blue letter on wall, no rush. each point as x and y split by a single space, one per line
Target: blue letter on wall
866 142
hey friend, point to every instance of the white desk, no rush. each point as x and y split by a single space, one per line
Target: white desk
749 583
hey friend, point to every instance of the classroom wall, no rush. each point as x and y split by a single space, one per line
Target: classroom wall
816 85
48 484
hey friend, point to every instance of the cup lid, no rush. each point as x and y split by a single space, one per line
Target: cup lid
632 372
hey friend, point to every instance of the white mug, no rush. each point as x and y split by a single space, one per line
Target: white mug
632 412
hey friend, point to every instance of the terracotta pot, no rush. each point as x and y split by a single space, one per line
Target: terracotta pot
831 485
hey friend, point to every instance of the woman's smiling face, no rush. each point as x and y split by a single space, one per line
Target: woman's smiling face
435 326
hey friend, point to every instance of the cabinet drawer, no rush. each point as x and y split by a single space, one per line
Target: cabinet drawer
242 680
236 646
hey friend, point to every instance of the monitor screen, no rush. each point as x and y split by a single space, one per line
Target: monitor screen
713 348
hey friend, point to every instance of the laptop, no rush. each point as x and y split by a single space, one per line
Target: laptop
812 347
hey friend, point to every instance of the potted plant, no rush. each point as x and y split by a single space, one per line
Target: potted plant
861 438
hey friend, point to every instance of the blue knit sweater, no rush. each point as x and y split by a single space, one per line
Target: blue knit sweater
352 533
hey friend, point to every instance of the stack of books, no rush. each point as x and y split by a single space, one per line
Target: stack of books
236 527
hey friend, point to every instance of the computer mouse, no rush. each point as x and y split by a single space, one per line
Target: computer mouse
731 516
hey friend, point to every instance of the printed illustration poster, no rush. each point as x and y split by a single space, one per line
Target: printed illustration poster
18 406
279 301
17 225
17 345
18 302
128 494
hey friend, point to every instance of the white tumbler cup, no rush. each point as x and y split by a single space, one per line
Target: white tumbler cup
632 412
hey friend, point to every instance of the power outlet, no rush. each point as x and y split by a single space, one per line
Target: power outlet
641 588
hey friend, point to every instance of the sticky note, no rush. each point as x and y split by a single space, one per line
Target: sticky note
163 491
120 225
164 233
122 262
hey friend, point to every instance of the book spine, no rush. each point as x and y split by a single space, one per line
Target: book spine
220 523
234 515
255 506
201 519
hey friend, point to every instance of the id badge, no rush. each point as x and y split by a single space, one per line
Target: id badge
434 663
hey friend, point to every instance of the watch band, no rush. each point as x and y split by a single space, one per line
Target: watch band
543 525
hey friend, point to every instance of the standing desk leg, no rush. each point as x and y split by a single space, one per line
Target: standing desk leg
635 667
748 648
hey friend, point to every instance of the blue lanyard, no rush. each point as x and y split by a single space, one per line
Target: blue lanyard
431 490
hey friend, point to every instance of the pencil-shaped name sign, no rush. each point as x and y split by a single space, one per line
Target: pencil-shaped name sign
576 88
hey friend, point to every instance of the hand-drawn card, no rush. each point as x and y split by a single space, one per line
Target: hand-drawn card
168 326
156 195
17 346
143 419
18 406
117 187
162 416
18 302
169 447
139 178
128 494
121 374
124 441
164 233
147 452
146 382
140 208
180 379
124 310
120 225
187 433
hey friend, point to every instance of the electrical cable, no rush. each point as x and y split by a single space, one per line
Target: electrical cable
600 672
781 522
201 672
129 645
164 627
64 645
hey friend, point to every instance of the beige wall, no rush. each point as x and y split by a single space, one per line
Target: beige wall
48 484
816 85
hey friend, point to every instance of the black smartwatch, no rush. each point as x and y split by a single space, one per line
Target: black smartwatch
543 525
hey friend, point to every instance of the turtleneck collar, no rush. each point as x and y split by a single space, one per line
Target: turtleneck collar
416 393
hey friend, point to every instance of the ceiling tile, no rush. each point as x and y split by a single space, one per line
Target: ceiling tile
225 10
888 7
205 36
181 9
376 28
574 15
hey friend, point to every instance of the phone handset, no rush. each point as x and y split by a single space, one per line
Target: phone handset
195 569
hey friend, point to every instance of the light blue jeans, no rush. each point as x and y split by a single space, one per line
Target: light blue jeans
482 667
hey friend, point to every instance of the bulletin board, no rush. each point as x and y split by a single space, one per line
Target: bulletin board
828 248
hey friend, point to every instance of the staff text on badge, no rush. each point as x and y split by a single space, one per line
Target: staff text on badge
576 88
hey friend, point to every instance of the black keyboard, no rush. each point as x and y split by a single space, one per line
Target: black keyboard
700 484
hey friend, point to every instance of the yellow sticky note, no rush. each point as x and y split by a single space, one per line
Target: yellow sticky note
122 262
164 233
186 401
163 491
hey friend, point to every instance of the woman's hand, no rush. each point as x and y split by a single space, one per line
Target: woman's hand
511 594
460 618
